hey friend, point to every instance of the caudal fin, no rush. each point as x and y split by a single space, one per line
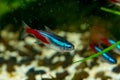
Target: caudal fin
23 32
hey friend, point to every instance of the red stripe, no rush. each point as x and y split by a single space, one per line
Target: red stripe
115 1
105 41
92 47
37 35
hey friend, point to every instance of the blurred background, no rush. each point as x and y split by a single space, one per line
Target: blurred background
65 15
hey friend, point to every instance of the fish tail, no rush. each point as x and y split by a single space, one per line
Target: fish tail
27 30
24 30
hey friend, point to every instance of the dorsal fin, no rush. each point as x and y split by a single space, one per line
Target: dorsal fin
48 29
25 25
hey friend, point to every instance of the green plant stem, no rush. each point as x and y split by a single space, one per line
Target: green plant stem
110 10
99 53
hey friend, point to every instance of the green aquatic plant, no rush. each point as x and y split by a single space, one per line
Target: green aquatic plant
110 10
9 6
99 53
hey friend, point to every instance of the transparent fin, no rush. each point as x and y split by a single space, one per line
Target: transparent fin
23 33
48 29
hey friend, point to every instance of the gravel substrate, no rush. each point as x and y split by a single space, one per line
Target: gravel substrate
27 60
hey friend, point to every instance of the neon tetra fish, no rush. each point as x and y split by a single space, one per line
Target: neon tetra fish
116 2
107 57
50 39
110 42
99 38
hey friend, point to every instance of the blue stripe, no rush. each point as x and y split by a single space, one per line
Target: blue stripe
52 39
57 40
113 42
107 56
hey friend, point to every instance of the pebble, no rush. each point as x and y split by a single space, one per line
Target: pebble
93 63
102 76
68 61
62 75
10 64
31 76
55 59
80 75
82 66
62 58
25 60
40 72
2 47
56 65
2 61
30 40
116 69
31 73
99 74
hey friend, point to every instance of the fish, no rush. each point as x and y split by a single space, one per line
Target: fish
50 39
110 42
106 56
99 39
116 2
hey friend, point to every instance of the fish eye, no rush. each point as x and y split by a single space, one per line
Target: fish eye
69 47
